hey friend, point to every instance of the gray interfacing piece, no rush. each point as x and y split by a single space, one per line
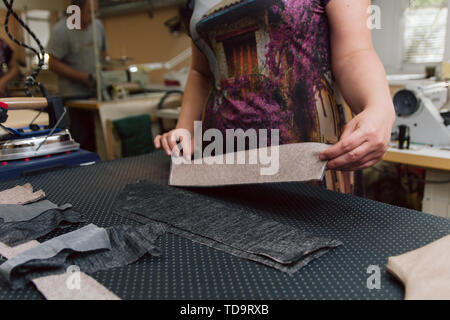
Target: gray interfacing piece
85 239
91 249
222 226
16 233
286 163
18 213
21 195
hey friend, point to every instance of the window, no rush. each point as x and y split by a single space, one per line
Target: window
425 31
241 54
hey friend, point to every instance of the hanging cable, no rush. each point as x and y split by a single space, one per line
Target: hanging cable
30 81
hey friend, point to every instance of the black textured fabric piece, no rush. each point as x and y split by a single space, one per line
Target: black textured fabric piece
17 233
371 232
215 224
127 245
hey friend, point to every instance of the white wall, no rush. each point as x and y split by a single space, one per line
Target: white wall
388 40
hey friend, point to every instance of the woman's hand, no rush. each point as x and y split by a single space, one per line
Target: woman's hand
364 142
362 81
195 97
172 140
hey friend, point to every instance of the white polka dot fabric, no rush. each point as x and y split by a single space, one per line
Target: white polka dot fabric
370 231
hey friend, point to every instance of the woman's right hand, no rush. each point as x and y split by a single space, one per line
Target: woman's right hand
172 140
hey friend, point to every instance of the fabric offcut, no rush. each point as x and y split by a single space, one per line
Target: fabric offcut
425 272
289 163
16 233
10 252
90 248
89 238
217 225
18 213
21 195
54 287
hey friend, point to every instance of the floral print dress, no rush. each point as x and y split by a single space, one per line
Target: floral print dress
271 66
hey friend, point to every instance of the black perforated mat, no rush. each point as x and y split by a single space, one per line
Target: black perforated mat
370 231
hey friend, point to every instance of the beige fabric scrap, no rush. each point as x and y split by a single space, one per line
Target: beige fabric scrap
21 195
288 163
425 272
56 287
10 252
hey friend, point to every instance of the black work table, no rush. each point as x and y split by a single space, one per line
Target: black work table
370 231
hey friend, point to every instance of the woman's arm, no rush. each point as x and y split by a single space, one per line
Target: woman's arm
362 81
195 97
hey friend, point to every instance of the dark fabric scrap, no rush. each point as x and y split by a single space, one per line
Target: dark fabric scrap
17 233
223 227
108 248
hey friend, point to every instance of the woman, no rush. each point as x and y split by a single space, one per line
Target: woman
273 64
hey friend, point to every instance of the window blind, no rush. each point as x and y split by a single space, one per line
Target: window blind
425 31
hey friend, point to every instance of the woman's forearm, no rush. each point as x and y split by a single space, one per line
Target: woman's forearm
362 81
365 139
195 97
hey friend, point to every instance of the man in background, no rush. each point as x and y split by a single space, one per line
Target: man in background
72 58
72 53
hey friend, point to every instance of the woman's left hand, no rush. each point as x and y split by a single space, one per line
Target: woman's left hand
364 142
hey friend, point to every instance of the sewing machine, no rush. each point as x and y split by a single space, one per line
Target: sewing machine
120 83
420 115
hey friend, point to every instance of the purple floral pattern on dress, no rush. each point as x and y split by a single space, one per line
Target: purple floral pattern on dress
274 62
296 70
